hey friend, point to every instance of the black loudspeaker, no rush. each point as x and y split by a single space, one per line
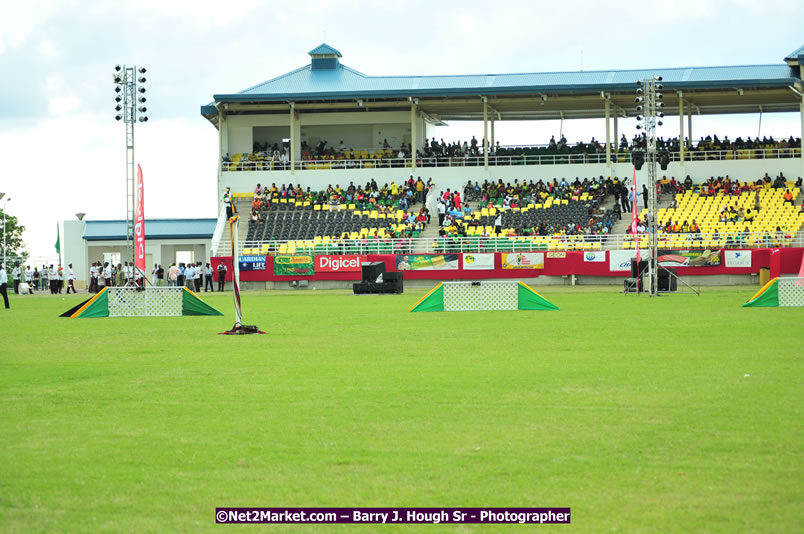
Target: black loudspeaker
643 268
665 281
395 280
392 283
372 270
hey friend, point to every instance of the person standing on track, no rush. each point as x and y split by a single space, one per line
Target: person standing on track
4 284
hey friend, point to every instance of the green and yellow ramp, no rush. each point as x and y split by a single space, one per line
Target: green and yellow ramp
526 299
768 296
98 306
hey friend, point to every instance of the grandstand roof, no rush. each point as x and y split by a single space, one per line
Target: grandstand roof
796 57
324 50
546 95
154 229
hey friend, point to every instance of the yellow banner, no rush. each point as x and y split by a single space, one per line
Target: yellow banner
523 260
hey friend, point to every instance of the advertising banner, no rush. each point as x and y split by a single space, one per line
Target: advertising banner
427 262
294 266
251 263
478 262
689 258
139 225
523 260
620 260
346 263
737 258
595 255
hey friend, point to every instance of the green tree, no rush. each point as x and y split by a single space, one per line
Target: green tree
12 238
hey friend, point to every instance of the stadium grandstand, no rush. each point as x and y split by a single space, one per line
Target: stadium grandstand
319 130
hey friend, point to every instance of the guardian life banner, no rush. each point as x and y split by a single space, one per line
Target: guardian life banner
251 263
523 260
347 263
478 262
139 226
294 266
737 258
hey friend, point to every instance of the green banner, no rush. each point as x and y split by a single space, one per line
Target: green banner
294 266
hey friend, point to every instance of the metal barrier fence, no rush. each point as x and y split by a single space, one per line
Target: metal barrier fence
267 164
421 245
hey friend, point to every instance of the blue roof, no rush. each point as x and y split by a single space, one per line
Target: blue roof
795 54
154 229
324 50
343 82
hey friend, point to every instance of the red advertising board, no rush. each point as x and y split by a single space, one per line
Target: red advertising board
346 263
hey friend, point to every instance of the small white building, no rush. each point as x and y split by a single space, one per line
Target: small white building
166 241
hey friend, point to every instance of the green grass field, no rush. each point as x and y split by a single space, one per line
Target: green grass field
677 414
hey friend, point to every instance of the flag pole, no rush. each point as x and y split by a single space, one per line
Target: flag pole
238 327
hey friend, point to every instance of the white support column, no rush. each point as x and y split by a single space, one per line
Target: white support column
221 153
681 125
616 132
689 125
292 138
801 155
607 109
413 139
485 133
493 113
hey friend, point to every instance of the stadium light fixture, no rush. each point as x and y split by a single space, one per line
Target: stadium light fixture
639 100
128 82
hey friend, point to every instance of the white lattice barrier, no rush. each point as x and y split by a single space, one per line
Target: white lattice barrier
474 296
150 302
791 291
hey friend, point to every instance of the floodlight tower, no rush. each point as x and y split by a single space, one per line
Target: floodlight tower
650 103
129 101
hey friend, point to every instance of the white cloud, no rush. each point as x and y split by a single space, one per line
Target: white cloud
48 48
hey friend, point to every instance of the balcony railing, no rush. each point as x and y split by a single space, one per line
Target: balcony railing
564 243
257 163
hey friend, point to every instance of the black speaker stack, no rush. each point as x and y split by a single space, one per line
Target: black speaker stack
666 283
634 284
377 281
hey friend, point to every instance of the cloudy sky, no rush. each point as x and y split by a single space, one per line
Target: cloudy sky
62 152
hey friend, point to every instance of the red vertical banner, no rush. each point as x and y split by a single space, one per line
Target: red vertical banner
139 226
634 216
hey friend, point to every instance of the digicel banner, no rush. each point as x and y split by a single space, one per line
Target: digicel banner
338 264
